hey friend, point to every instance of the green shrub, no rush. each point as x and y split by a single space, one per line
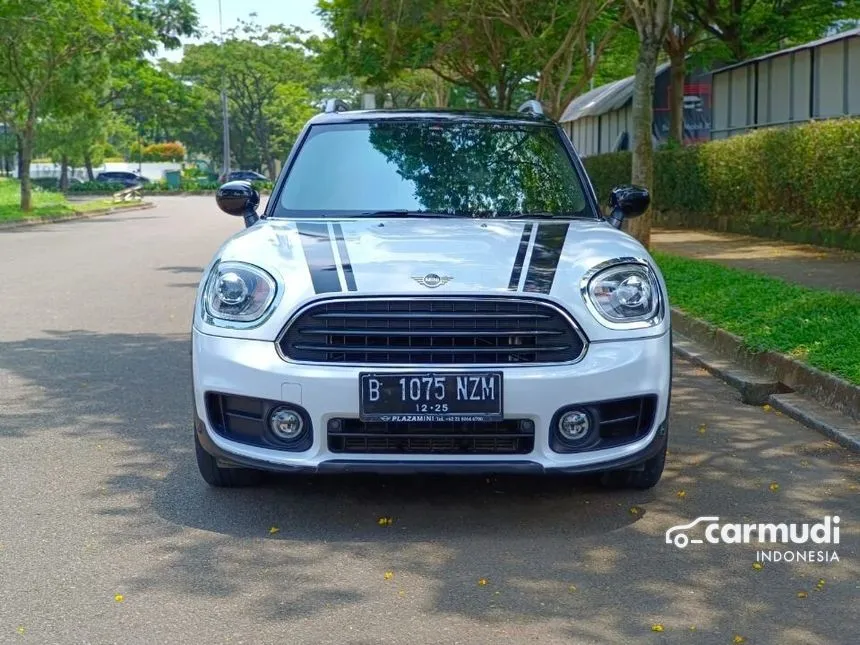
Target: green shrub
800 184
99 187
174 151
607 171
194 184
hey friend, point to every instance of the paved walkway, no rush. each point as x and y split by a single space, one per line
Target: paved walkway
814 266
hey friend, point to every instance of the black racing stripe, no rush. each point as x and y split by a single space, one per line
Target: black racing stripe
521 256
317 245
549 241
344 258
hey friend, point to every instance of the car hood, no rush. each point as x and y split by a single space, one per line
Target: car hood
430 257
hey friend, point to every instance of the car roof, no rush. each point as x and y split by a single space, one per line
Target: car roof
434 114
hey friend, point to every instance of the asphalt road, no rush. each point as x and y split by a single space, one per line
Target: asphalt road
99 496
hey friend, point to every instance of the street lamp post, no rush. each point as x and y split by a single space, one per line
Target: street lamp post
225 152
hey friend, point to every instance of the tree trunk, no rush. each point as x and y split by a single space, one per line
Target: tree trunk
27 140
441 92
64 173
20 155
678 75
88 164
643 118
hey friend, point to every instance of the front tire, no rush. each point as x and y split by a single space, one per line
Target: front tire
641 479
219 477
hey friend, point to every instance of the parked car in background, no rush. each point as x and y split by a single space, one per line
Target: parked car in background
126 178
243 175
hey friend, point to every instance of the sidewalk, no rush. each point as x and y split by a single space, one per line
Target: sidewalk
812 266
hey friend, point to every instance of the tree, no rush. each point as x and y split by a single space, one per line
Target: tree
567 41
45 45
72 140
731 31
495 48
54 52
271 57
681 36
744 29
288 111
651 18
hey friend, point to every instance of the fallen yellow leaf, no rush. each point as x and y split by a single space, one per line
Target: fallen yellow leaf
388 575
634 510
758 566
738 639
482 582
119 597
274 530
702 428
766 408
774 487
656 627
20 629
571 588
682 494
802 594
384 521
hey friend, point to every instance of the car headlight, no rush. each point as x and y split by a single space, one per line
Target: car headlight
625 295
238 293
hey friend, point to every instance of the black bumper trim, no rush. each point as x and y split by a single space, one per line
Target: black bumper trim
524 467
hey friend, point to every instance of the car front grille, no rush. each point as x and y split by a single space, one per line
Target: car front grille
432 331
508 437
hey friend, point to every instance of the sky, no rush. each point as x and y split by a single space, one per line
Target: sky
269 12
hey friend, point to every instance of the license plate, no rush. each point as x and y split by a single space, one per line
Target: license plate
431 397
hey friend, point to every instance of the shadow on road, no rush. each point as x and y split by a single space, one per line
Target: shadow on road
549 548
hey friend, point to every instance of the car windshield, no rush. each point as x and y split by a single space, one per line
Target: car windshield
454 168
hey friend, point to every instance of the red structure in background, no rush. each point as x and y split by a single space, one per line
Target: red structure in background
697 107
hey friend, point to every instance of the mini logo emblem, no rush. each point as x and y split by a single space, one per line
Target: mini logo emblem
432 280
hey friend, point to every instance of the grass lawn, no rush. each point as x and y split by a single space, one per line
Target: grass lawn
45 204
821 328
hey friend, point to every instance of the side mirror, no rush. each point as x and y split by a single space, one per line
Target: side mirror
239 198
627 201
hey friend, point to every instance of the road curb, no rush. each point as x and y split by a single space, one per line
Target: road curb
820 401
811 414
35 221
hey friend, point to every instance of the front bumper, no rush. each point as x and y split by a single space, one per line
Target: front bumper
609 370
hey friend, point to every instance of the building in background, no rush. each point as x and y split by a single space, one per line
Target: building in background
600 120
817 80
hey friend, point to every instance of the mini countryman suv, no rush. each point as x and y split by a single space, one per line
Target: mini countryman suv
431 291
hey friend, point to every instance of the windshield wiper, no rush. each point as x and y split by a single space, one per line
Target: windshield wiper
402 213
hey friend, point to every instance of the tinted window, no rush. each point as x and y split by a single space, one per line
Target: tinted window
458 168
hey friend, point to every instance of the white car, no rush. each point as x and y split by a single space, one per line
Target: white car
431 291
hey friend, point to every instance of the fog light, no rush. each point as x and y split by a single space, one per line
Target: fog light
574 425
285 423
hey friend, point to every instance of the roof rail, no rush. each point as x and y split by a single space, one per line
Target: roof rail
335 105
531 107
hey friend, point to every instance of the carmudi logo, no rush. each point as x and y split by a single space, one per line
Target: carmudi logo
822 534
